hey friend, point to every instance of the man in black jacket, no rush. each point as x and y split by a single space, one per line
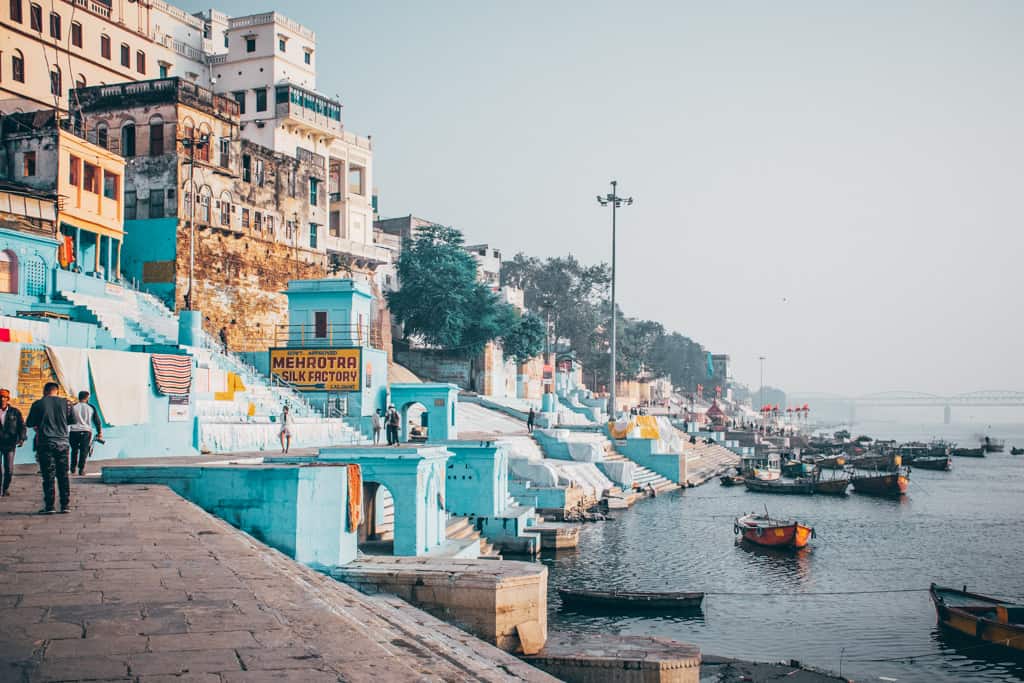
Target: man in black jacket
12 435
50 416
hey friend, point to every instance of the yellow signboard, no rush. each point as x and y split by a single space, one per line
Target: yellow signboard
330 369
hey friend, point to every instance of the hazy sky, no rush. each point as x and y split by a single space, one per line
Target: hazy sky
837 186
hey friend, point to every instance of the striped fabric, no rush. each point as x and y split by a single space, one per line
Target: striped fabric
173 374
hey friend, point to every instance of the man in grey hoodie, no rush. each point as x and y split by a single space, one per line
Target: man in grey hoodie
50 416
83 418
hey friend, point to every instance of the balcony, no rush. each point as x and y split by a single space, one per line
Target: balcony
313 336
360 253
309 110
98 7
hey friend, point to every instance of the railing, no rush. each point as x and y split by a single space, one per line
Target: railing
186 92
179 14
99 8
269 18
317 161
213 60
340 334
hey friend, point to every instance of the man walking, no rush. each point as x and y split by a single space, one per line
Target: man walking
12 435
83 418
286 430
530 420
394 421
376 427
50 416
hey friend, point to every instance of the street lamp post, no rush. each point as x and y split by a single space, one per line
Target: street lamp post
192 144
762 359
616 201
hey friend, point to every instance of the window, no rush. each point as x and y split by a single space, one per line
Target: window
90 178
291 182
28 164
268 224
314 191
80 81
126 55
204 207
55 81
8 272
250 45
320 324
225 38
312 235
257 221
18 66
156 136
101 136
156 203
356 180
240 98
335 226
261 99
172 202
140 61
281 44
55 25
128 140
163 71
74 171
131 205
225 152
105 47
308 57
35 17
246 168
225 213
76 34
245 218
16 11
111 185
260 178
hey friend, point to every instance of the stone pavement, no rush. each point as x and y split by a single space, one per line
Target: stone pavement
137 584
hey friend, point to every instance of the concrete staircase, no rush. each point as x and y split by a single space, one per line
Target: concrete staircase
461 531
641 475
705 461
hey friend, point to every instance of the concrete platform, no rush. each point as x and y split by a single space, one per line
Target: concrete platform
619 659
139 584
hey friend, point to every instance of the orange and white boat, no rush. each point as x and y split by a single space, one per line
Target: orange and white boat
773 533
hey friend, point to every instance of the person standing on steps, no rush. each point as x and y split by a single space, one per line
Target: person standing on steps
83 418
224 338
12 435
530 420
286 430
50 416
377 424
394 422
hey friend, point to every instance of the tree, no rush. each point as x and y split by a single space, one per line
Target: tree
441 300
525 339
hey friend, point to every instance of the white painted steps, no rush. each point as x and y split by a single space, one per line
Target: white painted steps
460 529
641 475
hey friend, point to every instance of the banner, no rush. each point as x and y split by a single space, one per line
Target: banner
330 369
177 409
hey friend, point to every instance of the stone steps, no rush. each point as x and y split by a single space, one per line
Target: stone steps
641 475
460 529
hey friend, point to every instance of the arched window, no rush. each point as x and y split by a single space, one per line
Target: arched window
8 272
225 209
18 66
156 136
205 200
203 151
80 81
55 81
128 140
101 135
35 277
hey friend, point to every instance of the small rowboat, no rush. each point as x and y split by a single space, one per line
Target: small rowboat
979 616
629 600
893 484
1016 451
731 480
934 462
835 486
969 452
798 487
772 533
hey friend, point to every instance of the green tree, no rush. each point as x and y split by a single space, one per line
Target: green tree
525 339
441 301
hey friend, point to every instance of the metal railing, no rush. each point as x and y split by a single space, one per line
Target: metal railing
338 334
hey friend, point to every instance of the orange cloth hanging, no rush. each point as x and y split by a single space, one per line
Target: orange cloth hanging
355 496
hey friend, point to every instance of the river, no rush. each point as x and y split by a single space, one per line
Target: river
953 528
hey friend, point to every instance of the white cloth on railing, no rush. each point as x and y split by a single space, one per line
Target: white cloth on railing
123 385
72 367
10 366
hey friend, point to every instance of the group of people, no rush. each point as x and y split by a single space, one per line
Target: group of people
62 429
390 422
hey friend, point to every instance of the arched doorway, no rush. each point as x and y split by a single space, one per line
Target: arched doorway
415 423
376 530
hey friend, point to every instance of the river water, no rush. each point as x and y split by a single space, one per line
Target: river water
954 528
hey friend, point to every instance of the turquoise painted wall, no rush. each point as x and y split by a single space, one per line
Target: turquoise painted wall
641 451
151 239
476 480
347 303
301 511
37 260
440 401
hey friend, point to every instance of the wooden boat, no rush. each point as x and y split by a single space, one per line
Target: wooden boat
832 462
979 616
796 469
881 483
731 480
1016 451
835 486
630 600
968 452
773 533
804 487
766 475
877 461
993 445
934 462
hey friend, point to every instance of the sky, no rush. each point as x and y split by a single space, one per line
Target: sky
838 187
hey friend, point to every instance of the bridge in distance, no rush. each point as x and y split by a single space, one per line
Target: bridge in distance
914 399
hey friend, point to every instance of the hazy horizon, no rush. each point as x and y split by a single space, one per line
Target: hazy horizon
833 186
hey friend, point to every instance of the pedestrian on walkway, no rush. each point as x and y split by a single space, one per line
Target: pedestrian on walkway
83 418
50 416
394 422
12 435
286 430
377 424
530 420
224 338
